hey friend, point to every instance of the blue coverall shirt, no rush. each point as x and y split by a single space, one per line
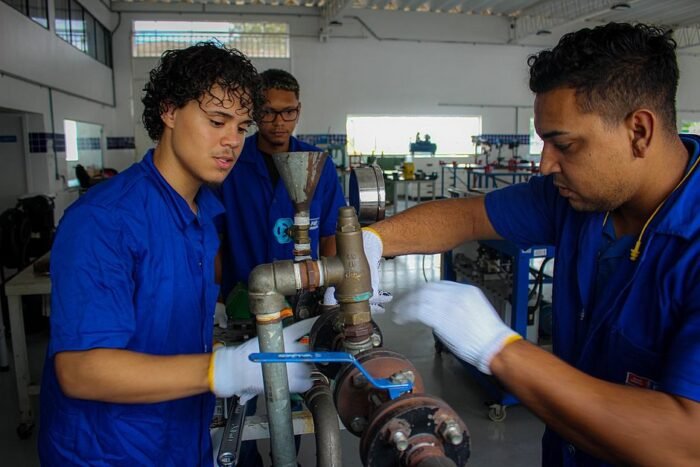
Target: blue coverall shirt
257 213
132 267
644 328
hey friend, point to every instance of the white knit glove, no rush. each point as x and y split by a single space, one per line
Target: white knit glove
372 244
220 316
461 317
230 371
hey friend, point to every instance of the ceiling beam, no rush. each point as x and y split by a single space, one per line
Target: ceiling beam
447 5
551 14
331 11
687 36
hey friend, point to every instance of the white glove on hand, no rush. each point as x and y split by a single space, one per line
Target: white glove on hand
220 316
461 316
230 371
372 244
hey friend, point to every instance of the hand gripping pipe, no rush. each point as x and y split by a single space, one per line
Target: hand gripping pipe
267 286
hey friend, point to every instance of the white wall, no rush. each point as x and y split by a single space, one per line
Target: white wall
50 81
29 51
371 77
375 63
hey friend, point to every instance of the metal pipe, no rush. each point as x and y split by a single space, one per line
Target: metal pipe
266 303
354 291
319 400
333 270
267 286
279 410
300 234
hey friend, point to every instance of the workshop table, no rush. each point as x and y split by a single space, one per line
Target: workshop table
26 282
500 177
406 190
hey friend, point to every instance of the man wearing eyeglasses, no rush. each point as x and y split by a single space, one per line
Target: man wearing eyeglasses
257 204
258 207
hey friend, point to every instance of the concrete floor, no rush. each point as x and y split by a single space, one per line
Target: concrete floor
514 442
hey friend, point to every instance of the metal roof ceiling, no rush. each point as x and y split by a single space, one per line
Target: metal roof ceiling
528 16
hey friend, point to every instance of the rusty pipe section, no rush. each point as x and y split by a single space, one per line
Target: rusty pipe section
269 283
267 286
355 289
300 234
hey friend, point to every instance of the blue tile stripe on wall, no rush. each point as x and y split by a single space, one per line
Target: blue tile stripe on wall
59 142
39 142
324 139
496 138
121 142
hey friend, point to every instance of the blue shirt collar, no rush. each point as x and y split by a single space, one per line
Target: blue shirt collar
207 203
253 156
681 212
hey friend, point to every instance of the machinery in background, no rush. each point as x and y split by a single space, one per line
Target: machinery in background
488 143
518 284
367 193
376 393
424 145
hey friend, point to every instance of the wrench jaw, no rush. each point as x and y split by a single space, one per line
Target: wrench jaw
230 446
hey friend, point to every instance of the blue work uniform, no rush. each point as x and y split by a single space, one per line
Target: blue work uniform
132 267
258 213
641 329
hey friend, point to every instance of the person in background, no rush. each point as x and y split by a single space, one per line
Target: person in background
620 200
130 375
259 209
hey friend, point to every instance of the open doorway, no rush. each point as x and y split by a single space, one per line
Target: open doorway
84 153
13 158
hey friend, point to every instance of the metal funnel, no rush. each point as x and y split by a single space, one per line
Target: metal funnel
300 172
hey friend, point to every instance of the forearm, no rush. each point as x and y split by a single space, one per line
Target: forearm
326 246
617 423
122 376
435 226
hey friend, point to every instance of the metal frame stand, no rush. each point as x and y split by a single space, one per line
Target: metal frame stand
501 399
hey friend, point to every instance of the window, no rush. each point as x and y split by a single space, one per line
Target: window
77 26
536 143
63 19
690 127
37 10
394 134
84 147
90 35
254 39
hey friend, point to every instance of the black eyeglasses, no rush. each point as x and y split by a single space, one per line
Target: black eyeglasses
288 115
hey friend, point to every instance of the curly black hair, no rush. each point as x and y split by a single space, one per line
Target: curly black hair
188 74
615 69
279 79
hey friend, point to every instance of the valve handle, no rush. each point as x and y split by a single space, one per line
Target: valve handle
395 389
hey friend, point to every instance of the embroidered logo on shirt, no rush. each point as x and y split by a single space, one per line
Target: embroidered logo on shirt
640 381
313 223
281 230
